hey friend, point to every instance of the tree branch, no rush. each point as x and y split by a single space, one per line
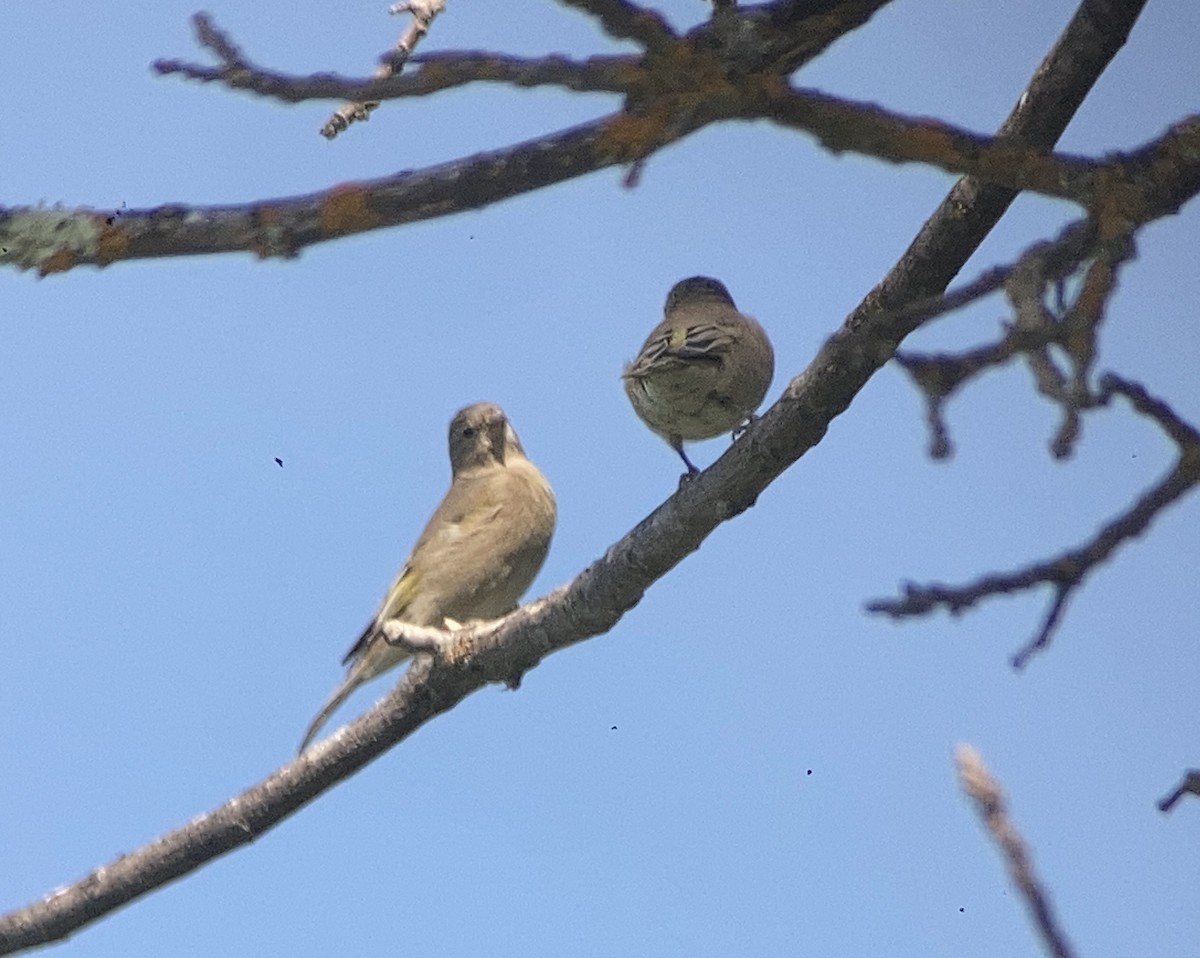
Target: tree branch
435 72
423 12
1127 184
1072 327
1128 189
1188 785
1150 182
699 87
1067 572
622 20
1059 85
54 240
985 791
940 375
598 597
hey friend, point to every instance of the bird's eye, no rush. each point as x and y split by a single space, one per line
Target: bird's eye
468 432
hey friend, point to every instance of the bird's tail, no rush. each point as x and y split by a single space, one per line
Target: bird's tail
352 681
371 656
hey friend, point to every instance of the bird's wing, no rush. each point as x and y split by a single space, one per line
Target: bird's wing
464 516
397 599
471 503
696 342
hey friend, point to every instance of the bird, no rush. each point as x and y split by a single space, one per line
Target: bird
477 555
703 370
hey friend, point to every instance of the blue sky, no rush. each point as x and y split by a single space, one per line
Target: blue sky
174 606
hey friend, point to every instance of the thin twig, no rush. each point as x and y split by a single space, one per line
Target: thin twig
1073 327
1188 785
622 20
1067 572
435 72
423 13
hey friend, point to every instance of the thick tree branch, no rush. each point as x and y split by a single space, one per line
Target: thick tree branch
53 240
1128 189
598 597
699 84
693 89
1058 87
699 87
771 39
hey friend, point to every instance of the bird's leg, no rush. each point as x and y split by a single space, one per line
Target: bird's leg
677 445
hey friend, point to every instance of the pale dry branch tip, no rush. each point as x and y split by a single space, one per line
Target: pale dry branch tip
423 10
423 13
983 789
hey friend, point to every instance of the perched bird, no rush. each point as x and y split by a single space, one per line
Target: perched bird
703 370
477 554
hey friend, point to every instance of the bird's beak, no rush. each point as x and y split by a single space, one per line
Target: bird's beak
497 437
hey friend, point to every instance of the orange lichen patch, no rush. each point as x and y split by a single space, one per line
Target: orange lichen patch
681 72
629 137
1116 203
764 86
629 75
345 210
1096 289
931 142
61 260
112 244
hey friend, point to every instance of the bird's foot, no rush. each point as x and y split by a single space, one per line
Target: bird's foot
413 639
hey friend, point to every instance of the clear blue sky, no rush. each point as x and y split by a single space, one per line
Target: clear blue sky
174 606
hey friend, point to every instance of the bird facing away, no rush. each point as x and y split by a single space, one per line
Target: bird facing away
703 370
477 554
